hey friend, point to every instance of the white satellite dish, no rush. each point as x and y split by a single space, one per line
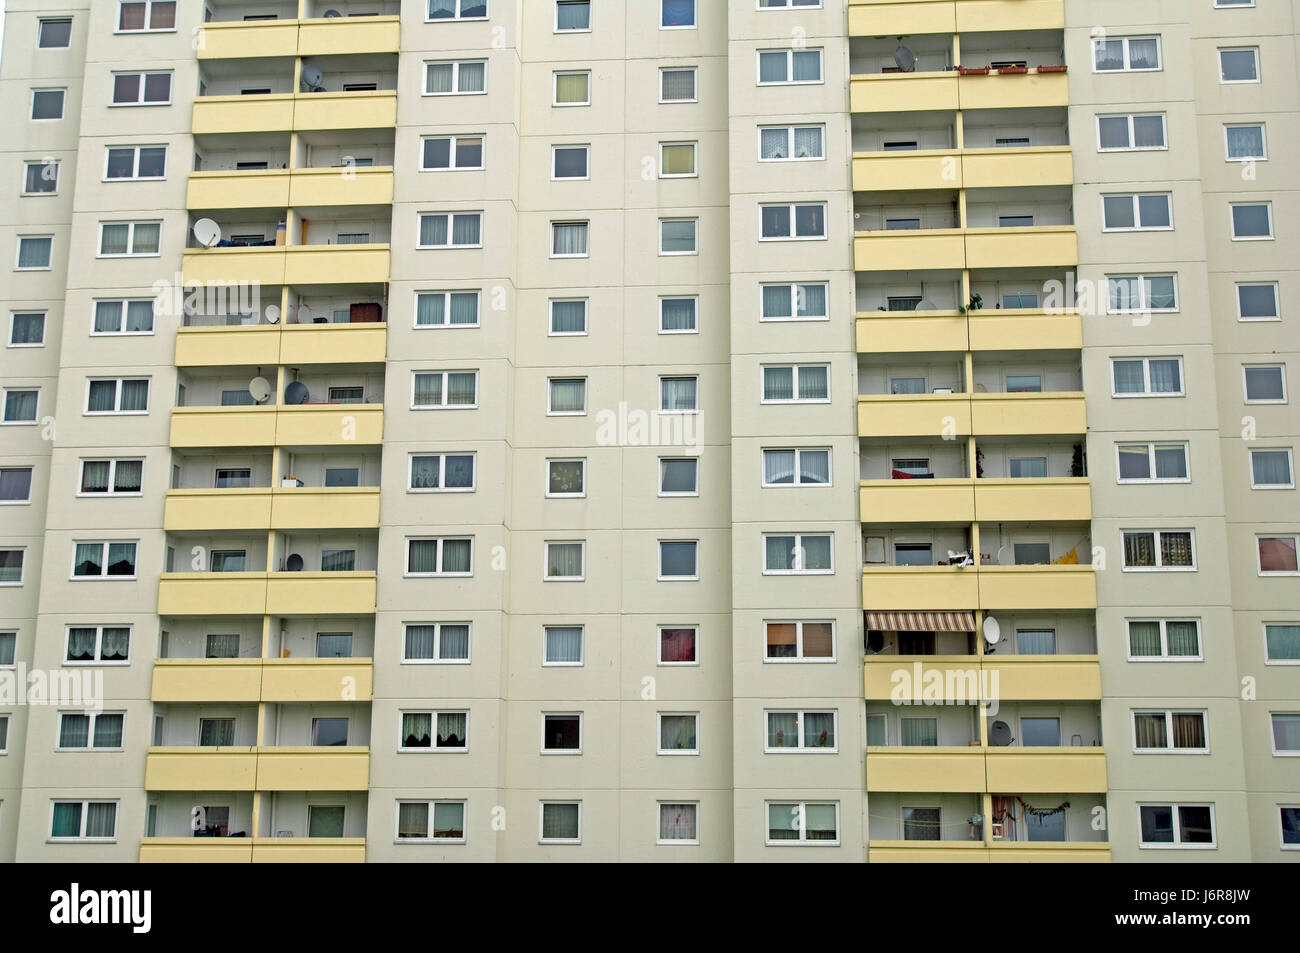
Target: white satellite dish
260 388
925 304
905 58
207 232
273 314
312 78
992 631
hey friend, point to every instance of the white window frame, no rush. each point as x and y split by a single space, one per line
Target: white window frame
798 455
451 222
1272 234
586 29
18 253
1263 632
437 643
31 479
800 658
1146 378
1156 534
1273 735
695 159
585 147
695 83
1295 806
682 841
659 735
1260 400
433 714
4 400
126 304
31 104
455 77
794 371
27 164
674 495
790 5
428 837
446 309
90 745
1152 446
547 478
586 318
659 641
117 398
585 223
148 18
1137 213
1177 843
103 560
1164 655
98 660
694 299
546 560
1263 138
679 377
695 17
444 405
9 340
659 561
555 88
789 67
143 75
695 250
439 573
1240 82
789 140
453 140
85 816
130 241
802 839
1144 306
798 542
582 647
1168 714
457 17
1290 464
1164 130
541 811
1127 67
22 575
1271 573
800 717
795 293
1277 299
442 456
550 412
563 752
793 208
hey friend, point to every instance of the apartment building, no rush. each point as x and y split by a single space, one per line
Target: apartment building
478 430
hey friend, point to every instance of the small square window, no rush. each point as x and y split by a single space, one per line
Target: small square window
562 733
47 104
1239 66
679 476
570 162
677 645
678 236
1252 222
562 645
1277 555
566 478
1265 384
1245 142
34 253
27 329
568 317
569 239
677 160
677 85
572 16
565 561
679 559
55 33
676 14
1258 302
560 822
573 89
1271 470
678 733
566 396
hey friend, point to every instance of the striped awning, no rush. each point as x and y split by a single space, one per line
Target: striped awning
921 621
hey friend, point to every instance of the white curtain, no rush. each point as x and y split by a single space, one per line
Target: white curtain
775 143
438 78
573 16
560 821
816 552
819 729
466 229
778 383
135 395
108 317
420 642
101 819
108 731
454 642
464 307
1128 377
74 731
1184 638
564 560
807 65
1144 639
777 301
433 230
918 732
1283 642
778 466
812 301
782 729
677 733
814 383
461 389
451 730
456 555
678 314
1036 641
808 142
413 820
570 239
81 645
677 822
422 556
678 393
568 317
430 309
222 646
428 390
778 553
564 644
568 397
417 729
815 466
1245 142
472 76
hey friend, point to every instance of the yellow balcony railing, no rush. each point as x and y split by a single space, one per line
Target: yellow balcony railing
273 265
914 415
309 850
1046 770
1011 168
951 770
1016 329
872 18
260 593
231 189
314 112
204 850
1045 677
313 769
894 332
977 852
268 680
200 769
920 249
918 588
266 425
900 678
1033 500
316 679
343 185
207 680
341 35
238 39
268 112
1037 246
289 344
301 112
1049 413
280 768
295 508
282 188
1039 587
939 249
970 168
947 91
254 345
966 679
917 501
1013 91
1002 329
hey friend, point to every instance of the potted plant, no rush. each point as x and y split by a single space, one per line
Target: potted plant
973 70
1052 69
1012 69
976 303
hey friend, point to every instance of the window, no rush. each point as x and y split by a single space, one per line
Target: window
570 162
1281 643
1027 468
794 302
797 467
334 645
117 396
1159 549
1257 302
568 317
445 642
11 572
1155 639
803 822
90 730
446 309
1131 132
414 821
678 316
1136 212
148 16
572 88
789 66
417 731
679 476
1126 54
569 239
441 153
221 645
791 143
129 239
1286 734
800 383
799 641
142 89
83 820
679 824
1245 142
921 823
566 478
1152 462
458 9
1271 470
677 85
564 561
1170 731
560 822
1134 294
123 317
1265 383
104 559
562 733
679 559
677 160
451 230
1277 555
440 557
15 484
41 178
20 405
676 14
793 222
8 648
440 390
34 252
1252 222
459 78
572 16
677 645
799 553
566 397
562 645
679 395
442 472
329 732
47 104
781 4
1289 816
106 644
1239 65
1176 825
677 236
678 733
1031 553
54 33
1148 377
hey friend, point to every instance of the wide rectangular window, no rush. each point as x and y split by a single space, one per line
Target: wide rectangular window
1170 731
433 390
451 230
791 143
1176 825
445 642
102 559
777 67
793 384
442 472
1155 639
90 730
146 16
1131 132
799 641
458 10
103 644
803 822
794 302
434 731
1147 377
129 239
118 396
796 467
1137 212
1142 294
1152 462
111 477
440 557
446 309
458 78
569 239
793 222
1159 549
1126 54
83 820
123 317
442 821
443 153
798 554
142 89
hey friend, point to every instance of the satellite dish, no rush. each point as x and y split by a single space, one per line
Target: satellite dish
992 631
331 14
905 58
312 78
875 641
925 304
294 564
296 393
260 388
207 232
273 313
999 732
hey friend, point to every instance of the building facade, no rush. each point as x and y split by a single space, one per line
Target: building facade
761 430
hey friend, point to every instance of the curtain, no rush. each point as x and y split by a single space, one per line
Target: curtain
466 229
1124 294
1139 549
778 383
568 397
560 821
413 820
1144 639
1176 549
1245 142
1286 732
1028 468
334 645
34 252
338 560
819 729
428 390
1143 54
677 559
113 239
20 405
438 78
1171 463
455 555
776 221
568 317
15 484
66 821
88 560
108 317
677 237
225 645
74 731
812 301
424 473
472 76
783 822
782 640
816 552
81 645
1160 292
814 383
564 560
774 144
677 314
464 307
441 9
678 645
777 301
28 329
1283 642
420 642
121 559
115 644
451 730
1113 132
677 733
819 822
772 67
1270 467
778 466
417 729
815 466
778 555
782 729
430 309
454 642
325 821
127 476
678 393
1189 730
216 732
678 12
461 389
918 732
1036 641
571 88
1183 637
433 230
807 66
135 395
448 820
108 731
422 555
564 644
677 822
921 823
573 16
101 396
570 239
1150 730
808 142
1128 377
817 640
1277 554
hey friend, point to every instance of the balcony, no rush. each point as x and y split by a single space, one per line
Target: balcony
276 265
200 769
917 501
1038 587
898 332
909 250
261 680
1025 330
1029 247
283 508
949 770
1029 500
1048 678
870 18
257 769
300 112
331 36
204 850
267 425
955 248
309 850
914 415
948 91
977 852
1015 415
261 593
907 332
918 588
1046 770
933 169
284 188
289 344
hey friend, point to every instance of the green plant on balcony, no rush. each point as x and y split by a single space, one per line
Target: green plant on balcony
976 303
